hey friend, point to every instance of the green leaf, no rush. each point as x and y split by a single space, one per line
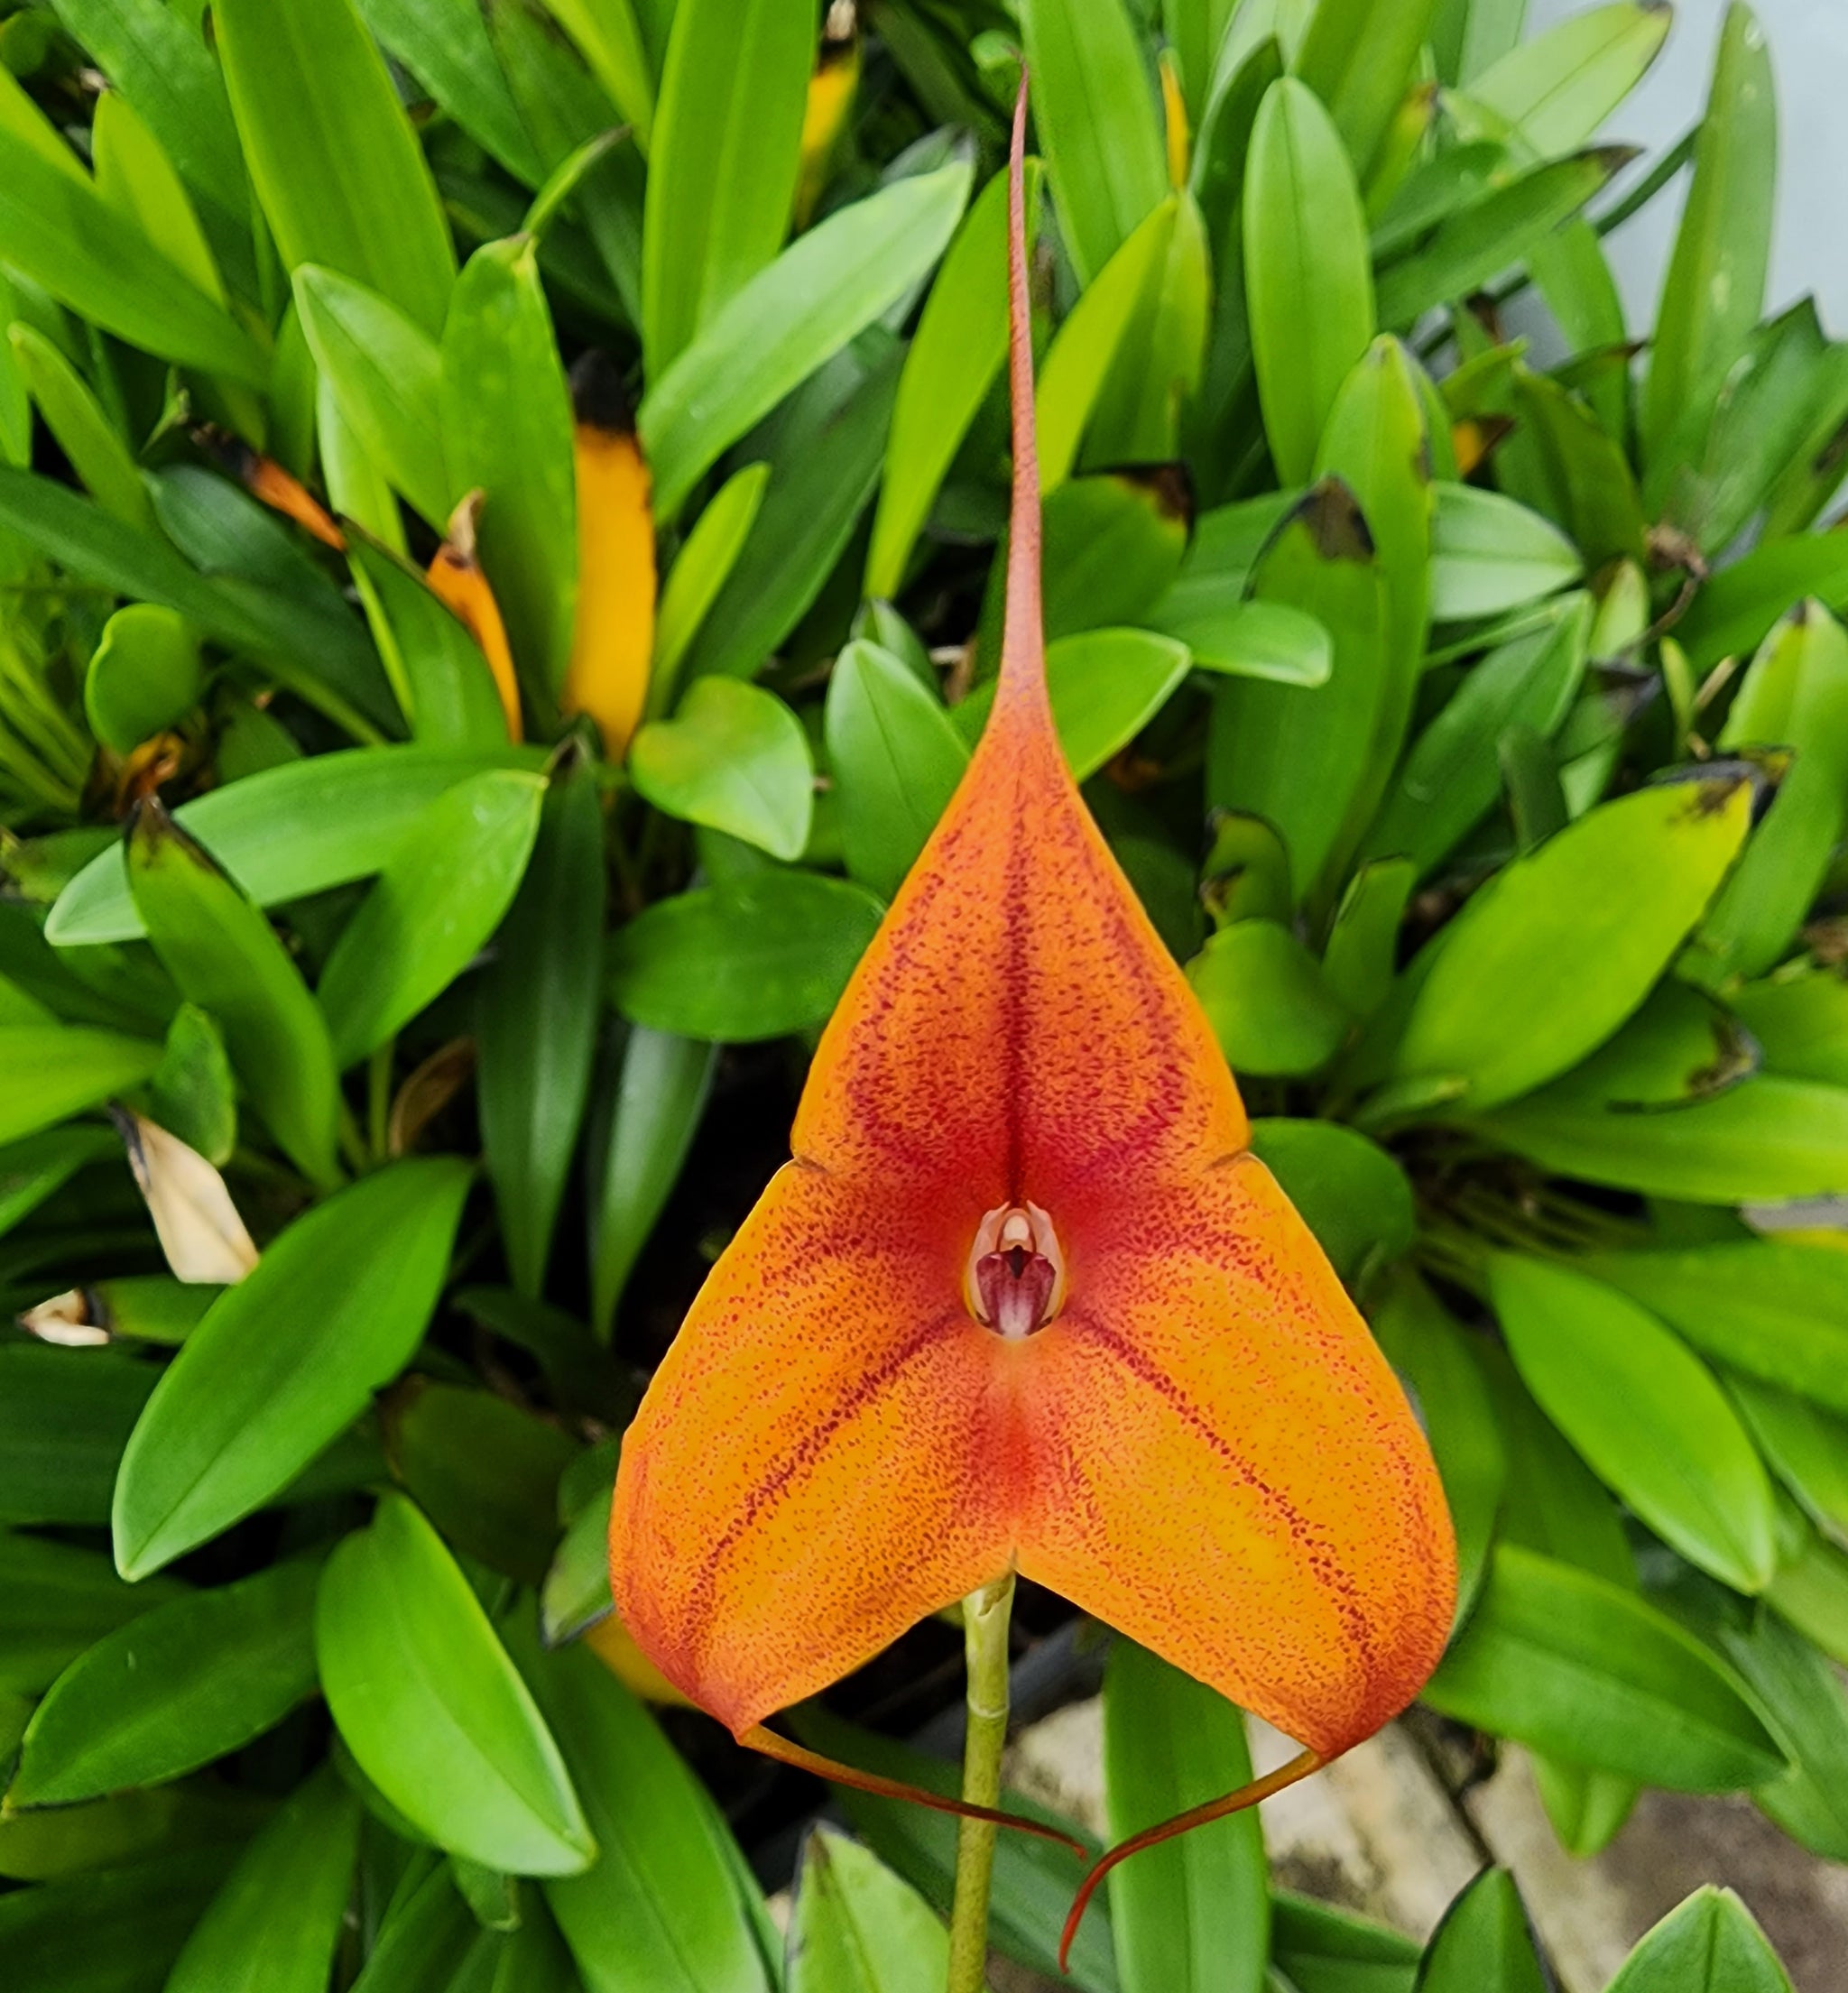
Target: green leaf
1353 1195
56 229
1483 1945
724 156
1575 469
1760 1142
441 677
1112 544
1715 289
1308 276
1364 938
428 1937
824 451
575 1595
287 1360
277 1918
65 1417
1265 995
506 418
537 1024
450 52
661 1910
41 1165
385 372
1805 1446
1293 756
114 1931
1557 89
1588 1809
1793 697
181 1685
856 1928
755 958
610 36
1448 782
75 416
1775 1308
1489 555
57 1070
1734 612
700 570
734 759
1193 1914
1358 57
1678 1050
1564 945
432 1708
659 1095
335 162
1437 1356
1325 1951
441 894
285 833
1105 687
896 761
1570 1664
484 1472
146 674
1096 115
772 334
1711 1944
134 176
60 1601
1249 640
224 956
1644 1414
953 361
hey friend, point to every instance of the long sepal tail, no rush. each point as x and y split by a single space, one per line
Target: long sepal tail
758 1739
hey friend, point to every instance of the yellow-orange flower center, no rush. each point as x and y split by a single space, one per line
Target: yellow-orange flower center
1016 1276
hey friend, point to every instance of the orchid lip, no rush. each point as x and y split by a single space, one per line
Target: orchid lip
1015 1282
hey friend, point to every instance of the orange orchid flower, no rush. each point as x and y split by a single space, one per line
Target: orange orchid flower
1024 1300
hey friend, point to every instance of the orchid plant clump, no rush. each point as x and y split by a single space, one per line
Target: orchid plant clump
584 581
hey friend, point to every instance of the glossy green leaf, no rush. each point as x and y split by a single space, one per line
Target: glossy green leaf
1714 288
1489 555
1311 313
953 361
856 1928
788 318
823 447
1095 110
734 758
1563 945
432 1708
57 1070
76 418
440 895
1711 1944
448 50
1680 1049
1644 1414
135 176
1362 953
537 1024
427 1938
146 674
114 1931
1322 1949
1557 89
1570 1664
1776 1309
1804 1446
285 1362
1295 756
755 958
331 153
277 1918
1112 544
1800 1022
224 956
385 372
174 1689
65 1417
1437 1358
1483 1945
1448 781
723 163
1265 997
1161 361
610 36
575 1594
506 418
41 1165
285 833
1194 1913
441 677
1250 640
60 1601
1105 687
659 1094
1552 1502
1358 57
1588 1809
700 569
1734 611
1574 469
896 761
661 1909
1809 1707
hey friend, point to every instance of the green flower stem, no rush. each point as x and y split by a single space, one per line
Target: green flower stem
985 1638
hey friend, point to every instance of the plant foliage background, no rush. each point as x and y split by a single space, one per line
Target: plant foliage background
1469 712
